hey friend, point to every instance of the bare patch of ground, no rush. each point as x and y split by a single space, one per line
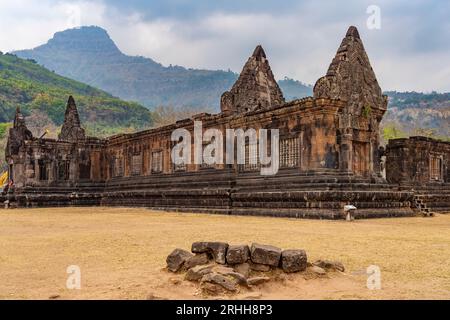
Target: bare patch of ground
122 252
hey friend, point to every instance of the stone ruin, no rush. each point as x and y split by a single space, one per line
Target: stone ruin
222 268
329 146
256 87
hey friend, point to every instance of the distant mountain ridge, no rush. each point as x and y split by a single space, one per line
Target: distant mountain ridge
89 55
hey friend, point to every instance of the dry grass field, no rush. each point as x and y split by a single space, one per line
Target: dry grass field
122 251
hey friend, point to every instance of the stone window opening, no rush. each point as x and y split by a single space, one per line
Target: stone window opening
136 164
157 162
85 170
63 169
436 172
43 170
118 167
251 158
289 152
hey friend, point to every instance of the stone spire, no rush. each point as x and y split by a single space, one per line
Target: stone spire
71 129
350 77
255 88
18 134
19 119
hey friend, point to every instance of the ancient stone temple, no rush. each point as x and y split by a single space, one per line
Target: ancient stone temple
329 154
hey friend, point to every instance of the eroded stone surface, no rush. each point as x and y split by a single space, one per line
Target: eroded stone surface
293 260
318 270
257 280
265 254
330 265
256 87
259 267
198 259
351 78
238 254
197 272
221 280
71 129
243 269
217 249
177 258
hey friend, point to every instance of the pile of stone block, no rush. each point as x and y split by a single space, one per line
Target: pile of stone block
220 267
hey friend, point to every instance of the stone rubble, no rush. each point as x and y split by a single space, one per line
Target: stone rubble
217 249
329 265
220 268
177 258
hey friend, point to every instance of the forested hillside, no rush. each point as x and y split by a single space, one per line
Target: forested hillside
415 113
41 93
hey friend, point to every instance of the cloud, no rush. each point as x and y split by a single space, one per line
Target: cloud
26 24
410 52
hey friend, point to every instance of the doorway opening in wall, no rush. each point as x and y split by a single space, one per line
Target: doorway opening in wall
43 172
63 170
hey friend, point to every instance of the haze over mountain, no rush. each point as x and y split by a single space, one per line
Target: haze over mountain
89 55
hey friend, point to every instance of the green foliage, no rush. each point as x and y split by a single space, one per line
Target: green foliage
29 86
366 110
419 113
4 129
393 132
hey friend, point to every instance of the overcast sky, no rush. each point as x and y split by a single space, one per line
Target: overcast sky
410 50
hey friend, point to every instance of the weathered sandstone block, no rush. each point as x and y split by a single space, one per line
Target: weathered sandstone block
257 280
259 267
197 272
243 269
330 265
177 258
198 259
293 260
265 254
221 280
237 254
217 249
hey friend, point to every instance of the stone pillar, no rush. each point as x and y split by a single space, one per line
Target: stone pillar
302 150
73 169
167 161
51 171
37 172
346 153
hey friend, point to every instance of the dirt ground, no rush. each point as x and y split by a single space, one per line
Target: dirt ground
121 253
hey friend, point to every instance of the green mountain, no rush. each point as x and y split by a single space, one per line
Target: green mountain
88 54
416 113
38 91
